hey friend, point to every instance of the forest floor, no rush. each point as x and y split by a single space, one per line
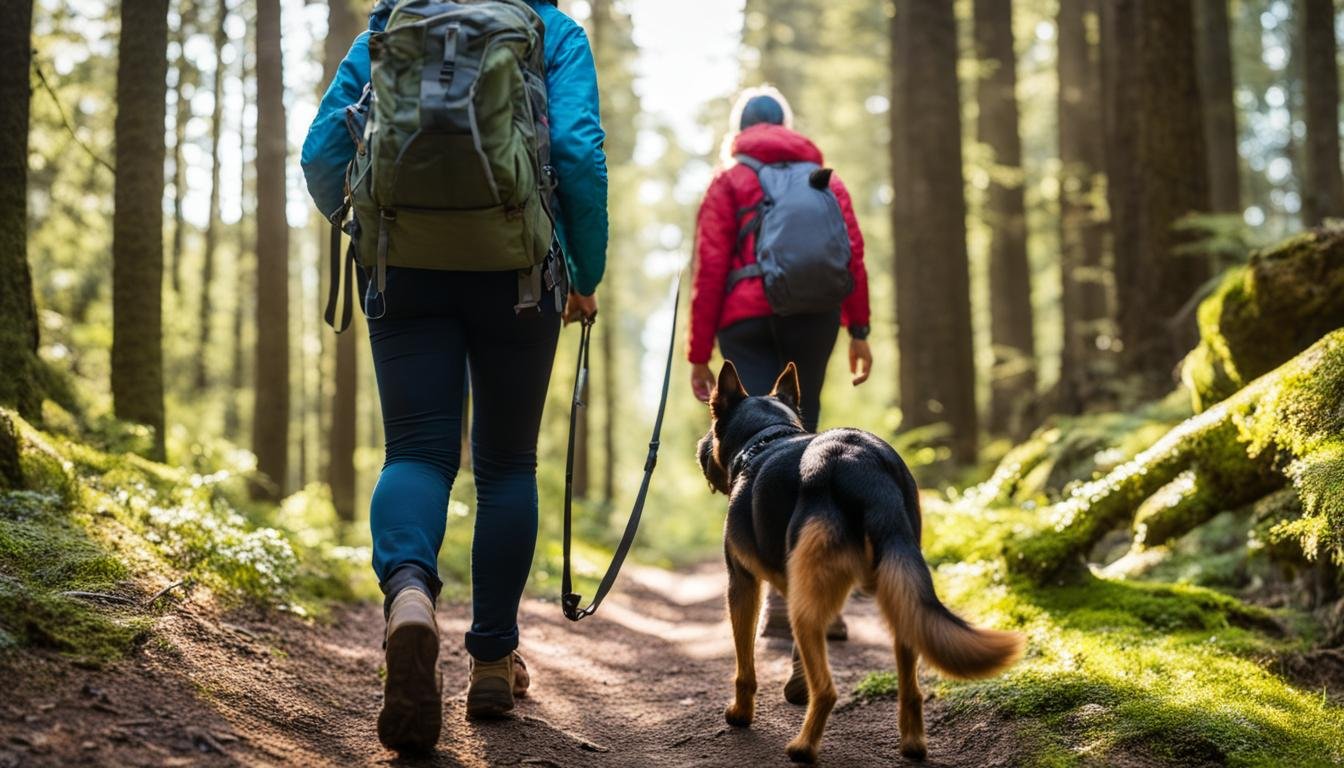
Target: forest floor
642 683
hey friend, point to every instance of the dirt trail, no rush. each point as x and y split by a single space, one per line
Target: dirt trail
643 683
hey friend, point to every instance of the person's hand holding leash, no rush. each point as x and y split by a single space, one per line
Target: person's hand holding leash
860 360
702 381
580 307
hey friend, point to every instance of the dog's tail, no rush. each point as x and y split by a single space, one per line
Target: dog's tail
920 620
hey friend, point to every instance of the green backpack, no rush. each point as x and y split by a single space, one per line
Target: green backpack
453 169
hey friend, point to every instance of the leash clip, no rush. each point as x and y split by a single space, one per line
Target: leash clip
570 603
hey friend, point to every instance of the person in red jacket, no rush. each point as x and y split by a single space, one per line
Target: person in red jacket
759 342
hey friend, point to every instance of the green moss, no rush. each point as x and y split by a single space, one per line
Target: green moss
1070 451
1298 422
878 685
1289 418
43 619
1113 667
1262 314
95 521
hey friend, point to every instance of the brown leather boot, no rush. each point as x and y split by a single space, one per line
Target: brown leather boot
494 686
776 624
412 702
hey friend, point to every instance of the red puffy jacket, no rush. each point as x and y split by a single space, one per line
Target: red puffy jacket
716 246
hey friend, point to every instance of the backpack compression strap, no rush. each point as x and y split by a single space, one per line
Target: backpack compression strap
334 285
751 227
569 600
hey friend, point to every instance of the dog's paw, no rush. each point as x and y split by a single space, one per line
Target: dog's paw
801 752
914 749
738 716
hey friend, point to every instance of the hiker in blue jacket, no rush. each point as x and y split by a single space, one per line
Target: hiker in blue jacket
436 328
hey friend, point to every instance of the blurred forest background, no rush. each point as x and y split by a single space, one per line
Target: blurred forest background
1059 199
1107 277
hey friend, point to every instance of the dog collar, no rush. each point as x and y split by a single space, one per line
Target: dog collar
758 443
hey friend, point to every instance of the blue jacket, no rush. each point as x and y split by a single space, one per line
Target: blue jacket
576 138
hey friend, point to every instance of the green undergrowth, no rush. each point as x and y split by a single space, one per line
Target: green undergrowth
93 536
1178 673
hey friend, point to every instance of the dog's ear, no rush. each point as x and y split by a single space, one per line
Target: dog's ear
728 392
787 389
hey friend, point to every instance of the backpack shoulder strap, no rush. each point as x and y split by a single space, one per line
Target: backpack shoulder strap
751 162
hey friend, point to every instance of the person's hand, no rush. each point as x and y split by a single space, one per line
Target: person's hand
702 382
580 307
860 360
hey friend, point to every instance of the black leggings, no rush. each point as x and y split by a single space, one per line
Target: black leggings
760 347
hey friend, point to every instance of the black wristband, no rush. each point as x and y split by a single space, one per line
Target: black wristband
859 332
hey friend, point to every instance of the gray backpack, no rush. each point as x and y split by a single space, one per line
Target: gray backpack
802 243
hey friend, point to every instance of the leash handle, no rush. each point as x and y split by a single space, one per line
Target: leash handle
570 601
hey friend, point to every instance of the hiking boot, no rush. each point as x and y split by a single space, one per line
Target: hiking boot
412 702
777 624
839 630
522 679
776 617
795 690
494 686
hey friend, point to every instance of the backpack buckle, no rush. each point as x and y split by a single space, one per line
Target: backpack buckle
529 293
449 53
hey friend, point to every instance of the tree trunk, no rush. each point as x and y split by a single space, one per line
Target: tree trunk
777 31
186 84
615 51
205 306
1013 377
1083 293
1158 174
270 417
233 416
1323 186
343 25
932 275
19 386
137 224
1220 115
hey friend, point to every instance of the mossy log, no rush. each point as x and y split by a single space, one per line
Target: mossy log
1286 426
1262 314
1073 449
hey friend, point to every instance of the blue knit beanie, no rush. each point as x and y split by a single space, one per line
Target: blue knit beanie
761 109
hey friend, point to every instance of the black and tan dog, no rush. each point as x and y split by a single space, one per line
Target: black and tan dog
815 515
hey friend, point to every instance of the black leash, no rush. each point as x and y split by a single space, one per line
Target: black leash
569 600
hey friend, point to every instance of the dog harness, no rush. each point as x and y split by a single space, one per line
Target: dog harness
758 443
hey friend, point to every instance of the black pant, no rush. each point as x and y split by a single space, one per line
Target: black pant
438 326
760 347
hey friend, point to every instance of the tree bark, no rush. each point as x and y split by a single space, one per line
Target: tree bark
779 32
1083 296
1157 175
137 224
270 417
611 32
343 25
186 83
1220 115
937 368
233 416
205 306
1323 189
1013 377
19 386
